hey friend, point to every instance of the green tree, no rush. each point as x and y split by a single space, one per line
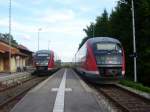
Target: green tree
102 25
5 37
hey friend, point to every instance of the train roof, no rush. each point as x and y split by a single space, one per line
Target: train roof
103 39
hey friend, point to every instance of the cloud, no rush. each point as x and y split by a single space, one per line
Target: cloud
18 26
85 9
64 22
53 15
64 27
3 22
67 27
36 2
23 36
66 2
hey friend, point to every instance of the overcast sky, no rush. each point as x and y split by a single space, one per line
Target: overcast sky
62 22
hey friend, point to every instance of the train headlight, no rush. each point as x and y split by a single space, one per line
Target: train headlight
123 72
46 63
37 63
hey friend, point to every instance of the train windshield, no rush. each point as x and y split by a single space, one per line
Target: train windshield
42 56
107 46
108 53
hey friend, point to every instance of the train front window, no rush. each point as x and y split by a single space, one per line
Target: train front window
108 47
108 53
42 59
41 55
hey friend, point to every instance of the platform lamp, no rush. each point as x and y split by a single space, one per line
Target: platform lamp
93 28
39 29
9 36
49 44
134 42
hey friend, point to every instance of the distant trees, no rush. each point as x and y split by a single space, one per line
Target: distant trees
102 26
119 25
5 37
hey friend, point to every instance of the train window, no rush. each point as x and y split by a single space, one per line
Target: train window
106 46
80 56
41 54
84 50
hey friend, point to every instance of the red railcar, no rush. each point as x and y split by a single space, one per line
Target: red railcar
101 59
46 61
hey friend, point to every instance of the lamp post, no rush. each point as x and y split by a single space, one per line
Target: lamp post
49 44
134 43
93 30
39 36
9 36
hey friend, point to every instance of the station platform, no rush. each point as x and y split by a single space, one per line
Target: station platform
8 75
64 91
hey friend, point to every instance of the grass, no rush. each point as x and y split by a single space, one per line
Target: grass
136 86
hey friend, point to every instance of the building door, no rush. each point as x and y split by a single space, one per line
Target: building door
1 64
6 65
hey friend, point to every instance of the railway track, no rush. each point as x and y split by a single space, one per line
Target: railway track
118 99
123 99
9 97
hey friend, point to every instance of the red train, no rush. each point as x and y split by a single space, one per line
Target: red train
101 59
46 61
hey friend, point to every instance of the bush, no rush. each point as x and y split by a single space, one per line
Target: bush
137 86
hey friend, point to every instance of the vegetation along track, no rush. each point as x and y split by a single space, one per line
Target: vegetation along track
124 99
10 97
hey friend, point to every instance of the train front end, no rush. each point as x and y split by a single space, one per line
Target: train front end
42 59
110 60
105 60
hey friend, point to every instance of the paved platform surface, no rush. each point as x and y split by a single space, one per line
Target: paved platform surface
61 92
